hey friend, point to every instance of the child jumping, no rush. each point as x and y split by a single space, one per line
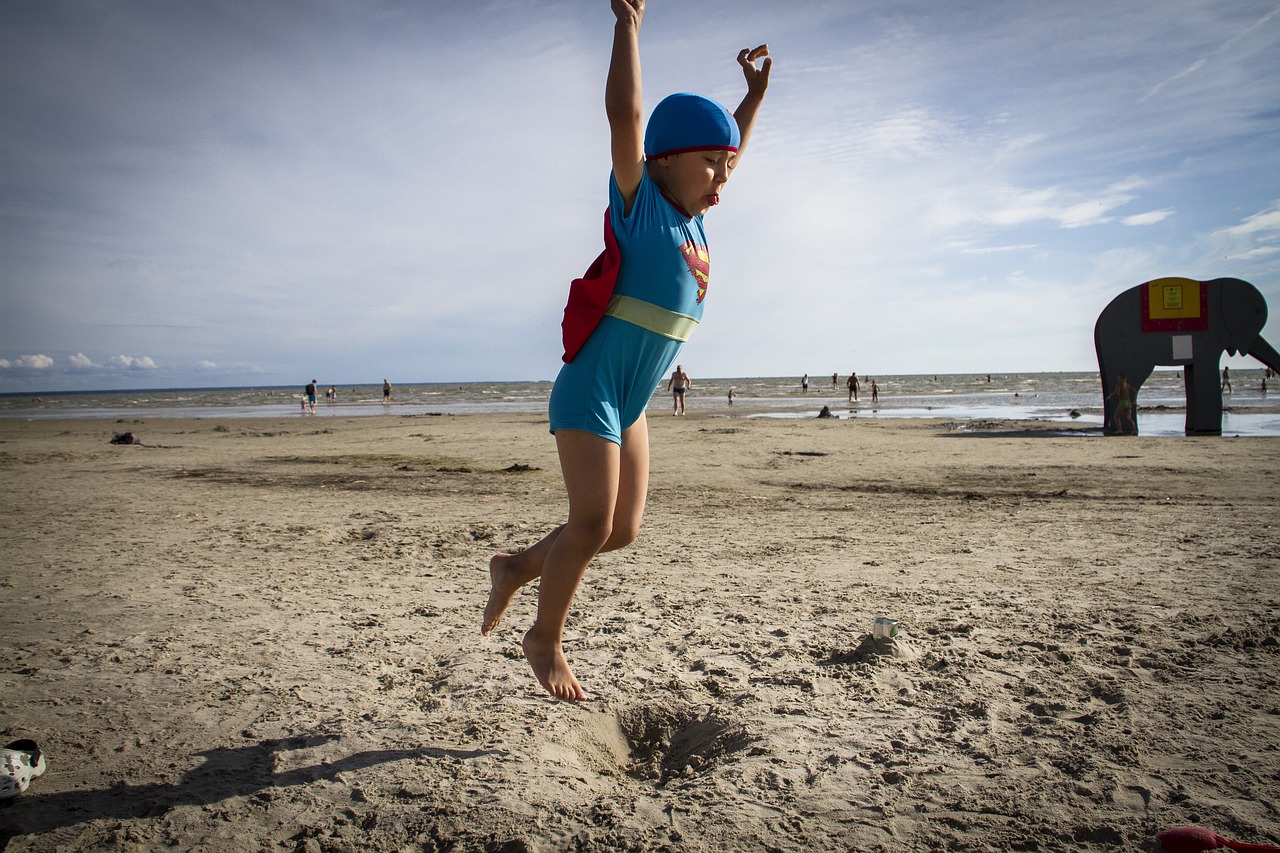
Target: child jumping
647 291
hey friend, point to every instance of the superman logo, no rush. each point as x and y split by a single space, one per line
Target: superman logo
699 261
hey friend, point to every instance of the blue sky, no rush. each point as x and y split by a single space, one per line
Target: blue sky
225 193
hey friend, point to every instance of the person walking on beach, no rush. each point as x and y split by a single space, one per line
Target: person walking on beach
1226 380
665 178
853 387
1124 395
311 396
875 392
677 385
386 392
804 382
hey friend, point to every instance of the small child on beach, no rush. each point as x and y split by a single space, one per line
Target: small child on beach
1124 395
647 291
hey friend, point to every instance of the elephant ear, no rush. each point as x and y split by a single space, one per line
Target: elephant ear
1243 311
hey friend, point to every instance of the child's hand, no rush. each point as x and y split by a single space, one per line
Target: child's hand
628 11
757 78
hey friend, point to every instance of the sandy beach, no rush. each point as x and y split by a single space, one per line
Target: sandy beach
264 635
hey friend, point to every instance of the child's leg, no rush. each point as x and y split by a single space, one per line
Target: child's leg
606 486
509 572
590 465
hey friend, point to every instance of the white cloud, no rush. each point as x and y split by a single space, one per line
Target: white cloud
1256 237
1252 254
129 362
908 135
1259 223
1201 62
207 365
1067 208
1149 218
29 362
81 361
996 250
1185 72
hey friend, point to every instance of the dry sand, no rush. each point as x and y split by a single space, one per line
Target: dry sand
264 635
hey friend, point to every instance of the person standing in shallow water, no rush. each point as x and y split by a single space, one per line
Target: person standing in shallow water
678 385
665 178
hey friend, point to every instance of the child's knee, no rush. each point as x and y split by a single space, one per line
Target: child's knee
621 536
593 530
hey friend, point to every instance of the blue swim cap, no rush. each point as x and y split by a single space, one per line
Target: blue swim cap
687 122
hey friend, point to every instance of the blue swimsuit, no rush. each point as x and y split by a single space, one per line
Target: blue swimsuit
660 288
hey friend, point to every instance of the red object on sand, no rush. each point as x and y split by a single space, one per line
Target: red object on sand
589 296
1193 839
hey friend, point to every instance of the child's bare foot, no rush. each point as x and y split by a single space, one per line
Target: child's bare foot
552 670
503 586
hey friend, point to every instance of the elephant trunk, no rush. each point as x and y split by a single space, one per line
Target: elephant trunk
1263 352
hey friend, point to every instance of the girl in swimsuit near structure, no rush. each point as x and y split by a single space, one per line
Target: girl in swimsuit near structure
1124 405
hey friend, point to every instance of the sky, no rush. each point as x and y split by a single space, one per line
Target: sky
205 194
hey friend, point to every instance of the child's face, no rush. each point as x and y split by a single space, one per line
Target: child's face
694 179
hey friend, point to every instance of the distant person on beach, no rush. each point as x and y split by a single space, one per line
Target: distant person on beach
853 387
1226 380
386 391
678 385
804 382
1124 395
875 392
835 380
731 392
664 179
311 396
331 396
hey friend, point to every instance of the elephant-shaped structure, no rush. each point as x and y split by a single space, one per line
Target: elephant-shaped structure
1185 323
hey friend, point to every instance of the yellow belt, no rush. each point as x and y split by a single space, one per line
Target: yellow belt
646 315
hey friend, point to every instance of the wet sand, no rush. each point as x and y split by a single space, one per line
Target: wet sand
264 634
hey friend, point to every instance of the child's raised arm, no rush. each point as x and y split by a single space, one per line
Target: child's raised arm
622 99
757 83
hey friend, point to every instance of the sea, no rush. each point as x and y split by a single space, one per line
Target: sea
968 399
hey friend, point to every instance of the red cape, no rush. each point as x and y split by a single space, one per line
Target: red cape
589 296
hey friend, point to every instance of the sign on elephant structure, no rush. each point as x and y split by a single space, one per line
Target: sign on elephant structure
1177 322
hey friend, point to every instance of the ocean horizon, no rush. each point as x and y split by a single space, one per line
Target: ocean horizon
1066 397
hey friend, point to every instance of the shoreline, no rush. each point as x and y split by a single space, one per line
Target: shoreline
1019 396
262 633
1157 421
